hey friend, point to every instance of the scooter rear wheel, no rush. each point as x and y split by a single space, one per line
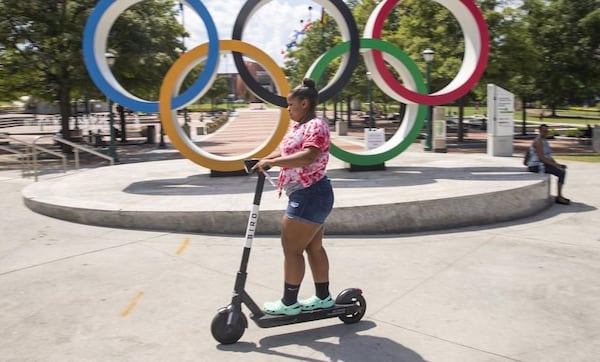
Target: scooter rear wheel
225 333
352 296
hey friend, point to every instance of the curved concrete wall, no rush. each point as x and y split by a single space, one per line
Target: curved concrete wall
400 217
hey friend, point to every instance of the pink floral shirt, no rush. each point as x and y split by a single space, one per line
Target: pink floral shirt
314 133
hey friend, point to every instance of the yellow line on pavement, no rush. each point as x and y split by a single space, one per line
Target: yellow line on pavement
132 305
183 245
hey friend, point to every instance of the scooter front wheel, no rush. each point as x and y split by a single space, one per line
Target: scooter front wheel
352 296
228 325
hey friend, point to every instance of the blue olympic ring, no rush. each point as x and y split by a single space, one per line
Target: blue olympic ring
95 38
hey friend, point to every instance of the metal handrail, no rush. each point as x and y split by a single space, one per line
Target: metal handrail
33 147
23 157
76 149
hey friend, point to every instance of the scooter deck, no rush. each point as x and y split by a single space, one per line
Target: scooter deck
270 320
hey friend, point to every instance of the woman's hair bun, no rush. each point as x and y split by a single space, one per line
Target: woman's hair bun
308 83
307 91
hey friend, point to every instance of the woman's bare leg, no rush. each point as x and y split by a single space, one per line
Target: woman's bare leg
317 258
295 237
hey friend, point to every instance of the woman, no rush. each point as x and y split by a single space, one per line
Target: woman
540 160
302 158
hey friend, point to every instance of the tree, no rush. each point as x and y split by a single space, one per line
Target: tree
219 90
513 56
425 25
41 49
323 36
319 37
566 36
539 49
513 62
147 40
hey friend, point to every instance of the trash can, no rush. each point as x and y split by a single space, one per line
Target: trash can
151 134
186 129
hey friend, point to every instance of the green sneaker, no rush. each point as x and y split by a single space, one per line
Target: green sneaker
278 308
315 302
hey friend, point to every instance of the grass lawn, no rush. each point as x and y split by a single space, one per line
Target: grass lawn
581 158
564 116
572 121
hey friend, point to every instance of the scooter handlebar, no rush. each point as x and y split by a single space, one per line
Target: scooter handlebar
248 164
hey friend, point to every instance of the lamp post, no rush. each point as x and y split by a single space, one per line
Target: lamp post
428 56
369 81
76 116
112 151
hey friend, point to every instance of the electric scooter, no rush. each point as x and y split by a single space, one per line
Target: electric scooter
229 324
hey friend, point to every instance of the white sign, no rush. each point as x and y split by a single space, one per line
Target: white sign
374 137
501 111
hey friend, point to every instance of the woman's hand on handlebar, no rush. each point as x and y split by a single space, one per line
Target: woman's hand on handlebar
262 165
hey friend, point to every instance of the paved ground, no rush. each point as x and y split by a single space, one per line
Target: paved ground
520 291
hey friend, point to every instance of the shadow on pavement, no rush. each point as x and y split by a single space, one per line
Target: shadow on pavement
204 184
574 208
351 347
550 212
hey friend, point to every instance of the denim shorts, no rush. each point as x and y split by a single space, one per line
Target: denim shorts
312 204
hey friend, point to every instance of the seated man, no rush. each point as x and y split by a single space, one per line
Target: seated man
540 160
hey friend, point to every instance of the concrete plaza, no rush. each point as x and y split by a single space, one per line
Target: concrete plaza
523 290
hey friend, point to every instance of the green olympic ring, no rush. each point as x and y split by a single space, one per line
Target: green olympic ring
414 117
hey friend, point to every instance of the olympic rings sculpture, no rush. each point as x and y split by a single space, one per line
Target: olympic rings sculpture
376 54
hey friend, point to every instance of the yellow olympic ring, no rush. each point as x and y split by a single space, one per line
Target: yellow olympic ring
170 88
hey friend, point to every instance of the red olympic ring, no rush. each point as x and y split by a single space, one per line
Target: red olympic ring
476 53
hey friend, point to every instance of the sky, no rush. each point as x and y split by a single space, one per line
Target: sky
270 28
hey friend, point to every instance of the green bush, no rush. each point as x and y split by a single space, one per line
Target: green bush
573 132
216 123
206 107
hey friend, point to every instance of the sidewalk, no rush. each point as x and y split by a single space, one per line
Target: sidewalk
525 290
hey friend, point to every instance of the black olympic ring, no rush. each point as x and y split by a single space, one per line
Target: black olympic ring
339 80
